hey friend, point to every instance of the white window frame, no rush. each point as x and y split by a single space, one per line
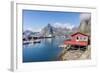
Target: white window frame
16 51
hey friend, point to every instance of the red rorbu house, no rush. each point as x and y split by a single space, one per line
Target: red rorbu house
78 39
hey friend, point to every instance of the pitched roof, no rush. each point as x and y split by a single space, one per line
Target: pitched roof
79 33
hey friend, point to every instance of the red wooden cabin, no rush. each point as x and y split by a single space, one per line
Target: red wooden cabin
78 39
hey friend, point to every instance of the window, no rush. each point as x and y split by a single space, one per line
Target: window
85 39
77 38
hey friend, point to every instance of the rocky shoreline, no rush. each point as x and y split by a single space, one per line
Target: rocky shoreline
75 54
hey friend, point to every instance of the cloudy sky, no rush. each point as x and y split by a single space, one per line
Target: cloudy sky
36 20
85 16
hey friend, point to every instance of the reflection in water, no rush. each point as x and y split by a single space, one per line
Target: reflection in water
47 50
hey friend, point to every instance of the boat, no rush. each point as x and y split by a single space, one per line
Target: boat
26 42
37 41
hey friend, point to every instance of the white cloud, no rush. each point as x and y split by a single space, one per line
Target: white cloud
27 28
37 30
85 16
31 28
63 25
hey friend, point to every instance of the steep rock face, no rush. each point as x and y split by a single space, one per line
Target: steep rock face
48 31
28 33
85 26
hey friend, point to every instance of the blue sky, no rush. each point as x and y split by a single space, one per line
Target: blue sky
36 20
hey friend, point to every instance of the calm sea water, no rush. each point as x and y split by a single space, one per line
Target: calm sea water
47 50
